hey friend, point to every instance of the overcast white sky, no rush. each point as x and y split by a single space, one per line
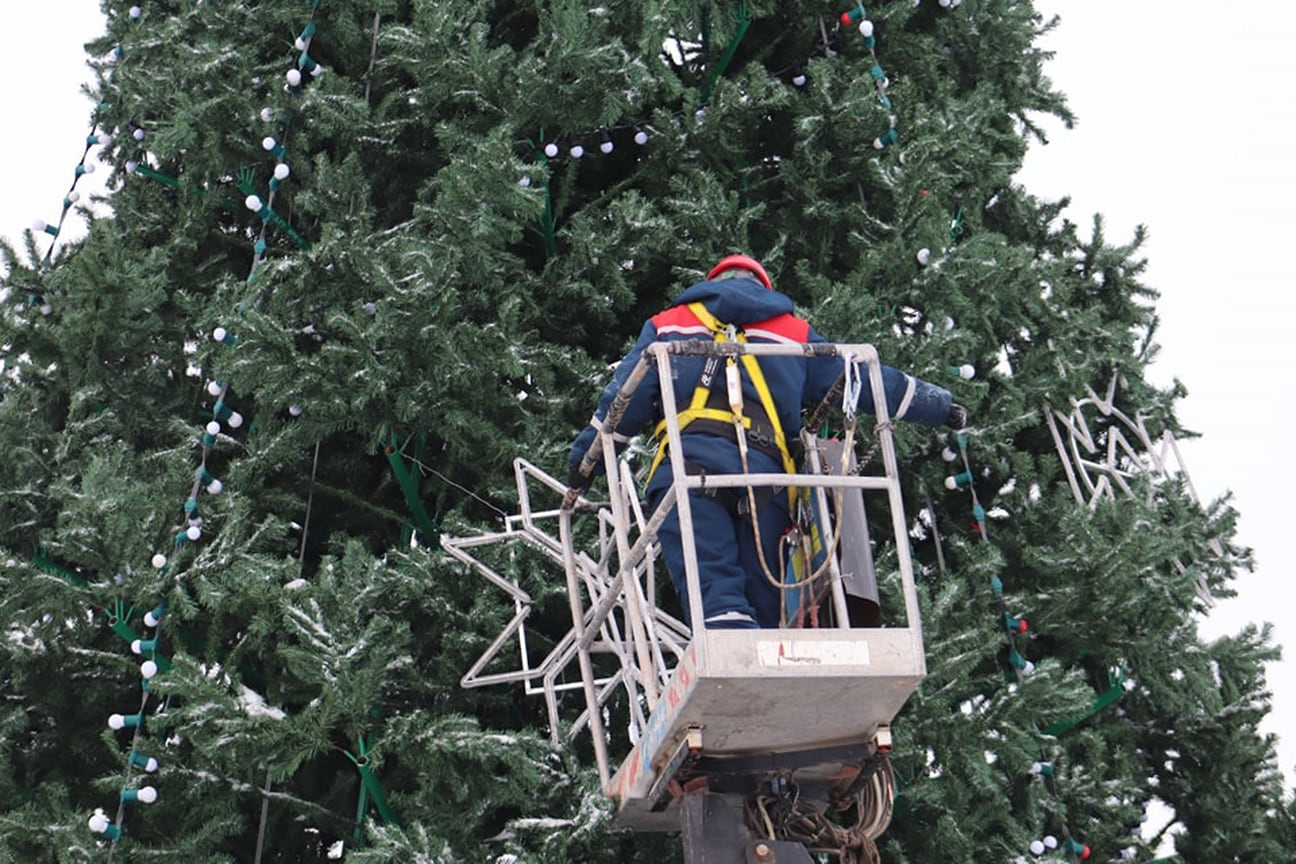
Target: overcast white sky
1185 117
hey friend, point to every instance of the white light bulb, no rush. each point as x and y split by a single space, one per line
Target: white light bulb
525 182
116 721
38 225
299 44
138 134
967 371
266 114
551 149
193 532
150 620
641 137
219 334
576 151
131 166
134 13
282 171
106 140
924 255
1050 841
317 71
944 4
151 765
295 410
253 203
371 307
1036 847
147 794
1036 767
88 167
269 143
213 428
951 483
74 196
606 147
866 28
799 80
46 309
215 487
135 647
235 420
99 822
877 144
294 78
949 323
148 669
159 560
1028 669
948 455
214 388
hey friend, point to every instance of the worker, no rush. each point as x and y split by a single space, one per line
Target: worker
737 301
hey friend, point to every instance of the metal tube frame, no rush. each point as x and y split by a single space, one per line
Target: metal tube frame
620 573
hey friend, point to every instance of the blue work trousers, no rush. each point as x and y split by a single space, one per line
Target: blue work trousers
736 593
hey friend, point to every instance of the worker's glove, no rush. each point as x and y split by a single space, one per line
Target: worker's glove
957 417
576 480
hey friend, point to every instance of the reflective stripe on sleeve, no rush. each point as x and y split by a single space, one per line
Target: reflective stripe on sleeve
908 397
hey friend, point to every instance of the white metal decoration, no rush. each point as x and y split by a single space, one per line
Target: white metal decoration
1119 454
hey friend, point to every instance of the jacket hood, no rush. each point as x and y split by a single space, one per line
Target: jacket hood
736 301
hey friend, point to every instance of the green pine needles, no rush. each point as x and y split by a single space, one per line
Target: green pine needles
424 293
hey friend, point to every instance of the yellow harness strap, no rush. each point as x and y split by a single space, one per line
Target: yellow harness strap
698 409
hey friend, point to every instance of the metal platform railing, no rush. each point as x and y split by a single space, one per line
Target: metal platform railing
661 678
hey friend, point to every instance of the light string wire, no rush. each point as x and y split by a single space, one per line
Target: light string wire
203 480
1015 628
544 150
828 47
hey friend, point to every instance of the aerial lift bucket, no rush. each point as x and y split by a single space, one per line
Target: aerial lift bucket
711 723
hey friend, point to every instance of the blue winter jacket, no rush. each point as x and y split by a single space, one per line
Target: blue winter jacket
795 382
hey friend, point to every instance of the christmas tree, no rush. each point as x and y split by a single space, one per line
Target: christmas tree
363 253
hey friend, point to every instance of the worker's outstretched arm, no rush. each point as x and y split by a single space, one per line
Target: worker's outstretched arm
638 413
907 398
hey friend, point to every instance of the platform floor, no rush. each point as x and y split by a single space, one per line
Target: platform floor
755 692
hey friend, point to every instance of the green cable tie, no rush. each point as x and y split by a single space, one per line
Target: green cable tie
299 241
118 620
548 223
744 21
410 488
146 171
1106 699
362 807
371 785
376 792
40 562
118 614
246 179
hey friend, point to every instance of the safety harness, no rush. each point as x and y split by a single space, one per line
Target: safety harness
721 411
708 406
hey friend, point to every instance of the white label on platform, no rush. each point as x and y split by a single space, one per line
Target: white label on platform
799 652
